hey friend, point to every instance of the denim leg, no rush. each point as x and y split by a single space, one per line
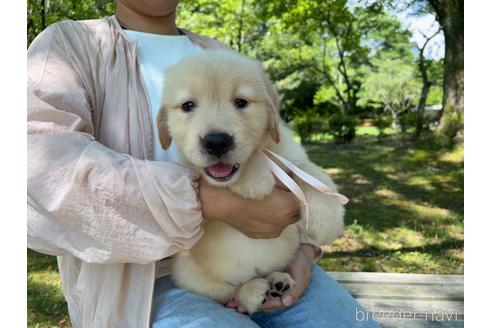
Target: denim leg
174 307
325 303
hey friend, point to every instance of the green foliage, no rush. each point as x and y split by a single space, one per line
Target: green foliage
408 121
236 23
391 83
307 110
46 306
323 56
324 42
342 127
42 13
398 220
382 122
435 95
298 99
449 132
308 124
435 71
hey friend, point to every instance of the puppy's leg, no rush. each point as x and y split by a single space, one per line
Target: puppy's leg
190 275
253 293
280 283
217 290
325 212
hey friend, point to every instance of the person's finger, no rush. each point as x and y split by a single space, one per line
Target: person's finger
271 305
293 295
289 299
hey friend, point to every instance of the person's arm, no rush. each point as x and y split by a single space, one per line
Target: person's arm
258 219
85 199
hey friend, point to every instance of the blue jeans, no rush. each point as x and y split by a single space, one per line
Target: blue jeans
324 303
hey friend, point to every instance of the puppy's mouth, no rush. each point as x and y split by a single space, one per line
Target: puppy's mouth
221 171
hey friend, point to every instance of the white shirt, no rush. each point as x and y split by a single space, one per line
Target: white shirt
155 53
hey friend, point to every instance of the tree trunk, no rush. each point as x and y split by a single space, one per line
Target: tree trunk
101 5
395 119
43 15
449 13
421 108
426 84
240 29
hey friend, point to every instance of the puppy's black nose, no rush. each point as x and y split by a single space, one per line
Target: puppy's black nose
217 143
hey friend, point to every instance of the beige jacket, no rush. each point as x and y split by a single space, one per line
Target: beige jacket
95 197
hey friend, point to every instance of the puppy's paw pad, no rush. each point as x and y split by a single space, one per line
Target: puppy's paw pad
253 293
280 283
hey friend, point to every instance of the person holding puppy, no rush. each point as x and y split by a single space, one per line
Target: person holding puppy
112 205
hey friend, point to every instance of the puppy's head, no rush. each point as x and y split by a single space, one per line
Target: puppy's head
219 108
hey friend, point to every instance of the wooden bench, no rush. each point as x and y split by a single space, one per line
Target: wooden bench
407 300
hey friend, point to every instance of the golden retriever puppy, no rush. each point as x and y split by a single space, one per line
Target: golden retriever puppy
222 112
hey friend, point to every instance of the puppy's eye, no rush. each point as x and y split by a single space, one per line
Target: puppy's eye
240 103
188 106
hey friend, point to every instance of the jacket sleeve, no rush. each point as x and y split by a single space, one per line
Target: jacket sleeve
85 199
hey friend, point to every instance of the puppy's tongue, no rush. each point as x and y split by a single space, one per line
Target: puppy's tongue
220 170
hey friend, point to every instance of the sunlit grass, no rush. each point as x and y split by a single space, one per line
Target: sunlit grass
46 306
406 209
360 131
372 131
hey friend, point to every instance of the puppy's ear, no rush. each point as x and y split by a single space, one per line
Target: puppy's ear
273 110
164 136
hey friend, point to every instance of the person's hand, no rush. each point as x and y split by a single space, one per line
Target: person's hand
258 219
300 270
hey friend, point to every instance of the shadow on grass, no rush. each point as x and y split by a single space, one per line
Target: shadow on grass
45 299
397 187
433 248
46 306
390 166
38 262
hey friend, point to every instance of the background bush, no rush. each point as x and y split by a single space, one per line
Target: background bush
342 127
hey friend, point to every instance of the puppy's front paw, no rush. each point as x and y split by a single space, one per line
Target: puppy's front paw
252 294
280 283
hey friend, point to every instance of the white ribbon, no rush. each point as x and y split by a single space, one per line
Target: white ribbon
306 177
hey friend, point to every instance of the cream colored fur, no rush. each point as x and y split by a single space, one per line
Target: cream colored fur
225 263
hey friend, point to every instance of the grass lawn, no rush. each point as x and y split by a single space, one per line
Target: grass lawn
361 131
406 209
405 215
46 306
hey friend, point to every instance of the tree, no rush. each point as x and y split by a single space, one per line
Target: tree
322 55
389 79
234 22
450 15
390 83
42 13
427 82
332 32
